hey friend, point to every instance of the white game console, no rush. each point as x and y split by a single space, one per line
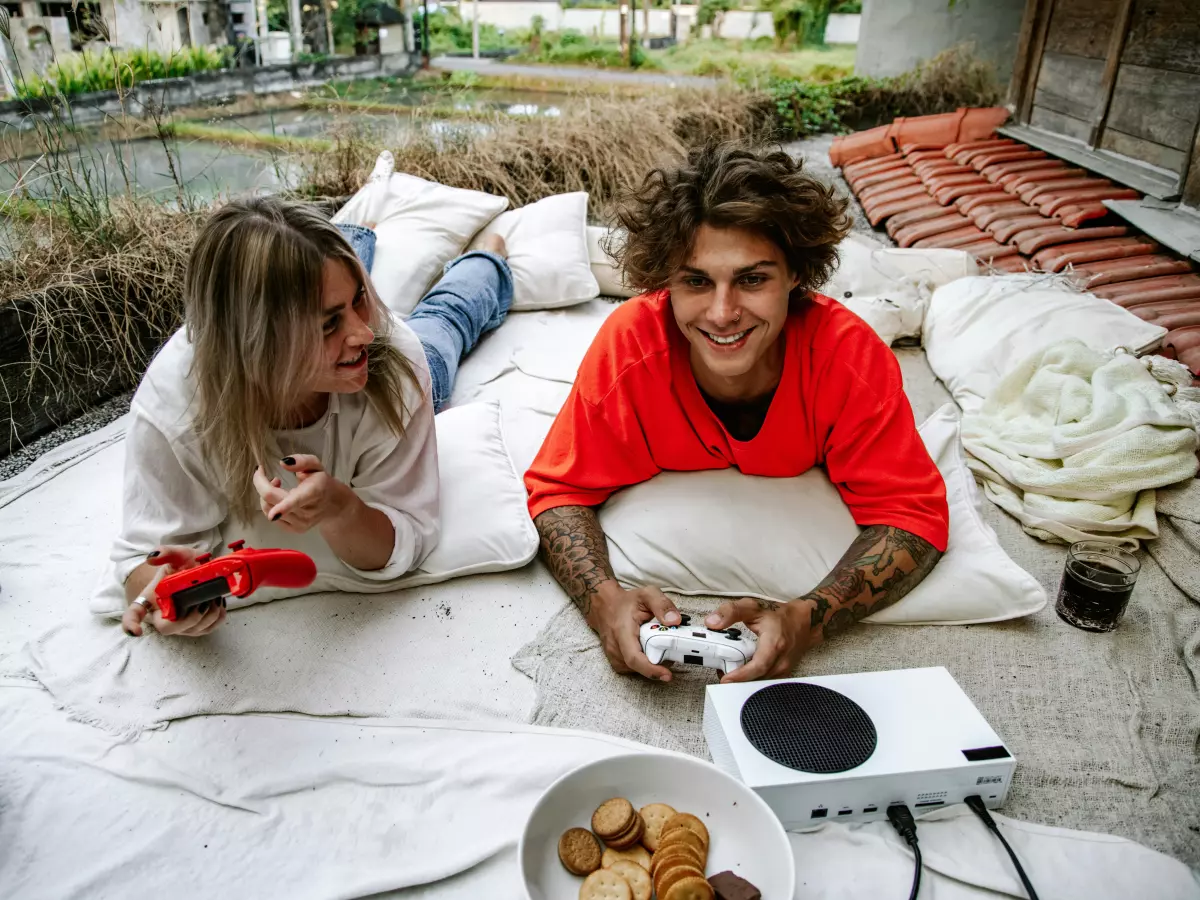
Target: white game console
695 645
846 747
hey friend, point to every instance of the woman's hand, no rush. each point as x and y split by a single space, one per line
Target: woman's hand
316 499
201 621
781 630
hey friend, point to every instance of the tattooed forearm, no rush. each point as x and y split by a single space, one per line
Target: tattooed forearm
882 565
574 548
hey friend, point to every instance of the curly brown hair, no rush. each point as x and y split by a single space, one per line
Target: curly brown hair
729 185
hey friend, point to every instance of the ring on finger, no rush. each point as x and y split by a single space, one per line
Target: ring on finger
145 603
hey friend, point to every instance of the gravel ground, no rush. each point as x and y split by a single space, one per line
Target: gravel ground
815 151
95 418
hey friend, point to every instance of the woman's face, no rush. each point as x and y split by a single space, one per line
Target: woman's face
345 312
730 300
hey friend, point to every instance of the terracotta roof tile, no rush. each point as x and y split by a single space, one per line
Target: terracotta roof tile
1031 192
952 150
934 149
1054 201
1057 258
927 155
1015 263
988 250
972 202
929 171
1014 181
1004 230
985 214
853 170
948 195
930 210
1146 290
918 231
893 193
869 144
997 171
881 209
1111 271
1031 241
1185 315
968 234
1075 215
897 178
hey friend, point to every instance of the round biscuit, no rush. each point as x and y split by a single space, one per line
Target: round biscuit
655 815
671 874
613 817
637 877
579 851
690 889
605 884
638 855
688 821
631 835
683 836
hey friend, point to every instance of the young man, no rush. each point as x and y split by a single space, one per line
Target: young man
732 360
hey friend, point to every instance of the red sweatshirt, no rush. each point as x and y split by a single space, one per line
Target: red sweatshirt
635 410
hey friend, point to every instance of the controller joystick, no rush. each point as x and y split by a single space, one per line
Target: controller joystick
696 645
236 574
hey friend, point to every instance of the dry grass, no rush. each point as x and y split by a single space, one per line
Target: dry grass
601 144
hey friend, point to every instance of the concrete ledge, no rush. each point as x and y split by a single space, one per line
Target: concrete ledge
202 88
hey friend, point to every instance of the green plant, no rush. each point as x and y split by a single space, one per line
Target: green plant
712 12
118 69
847 7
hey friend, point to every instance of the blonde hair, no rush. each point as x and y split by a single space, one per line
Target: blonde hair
252 298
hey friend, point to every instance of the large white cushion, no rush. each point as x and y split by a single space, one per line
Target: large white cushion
890 289
420 226
547 252
725 534
977 329
485 520
608 274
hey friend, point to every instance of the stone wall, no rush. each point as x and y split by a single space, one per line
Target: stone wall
209 87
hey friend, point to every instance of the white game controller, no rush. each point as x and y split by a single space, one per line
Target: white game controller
695 645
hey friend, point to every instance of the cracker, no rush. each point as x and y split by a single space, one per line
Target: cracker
638 855
579 851
668 875
605 884
689 889
655 815
677 851
630 836
637 876
688 821
612 818
683 836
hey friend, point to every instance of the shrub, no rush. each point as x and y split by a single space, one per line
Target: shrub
87 71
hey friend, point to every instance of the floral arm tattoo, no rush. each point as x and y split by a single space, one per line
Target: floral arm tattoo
574 547
882 565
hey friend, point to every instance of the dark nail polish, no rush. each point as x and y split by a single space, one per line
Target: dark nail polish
153 554
127 631
289 460
276 517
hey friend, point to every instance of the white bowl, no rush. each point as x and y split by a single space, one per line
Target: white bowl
746 837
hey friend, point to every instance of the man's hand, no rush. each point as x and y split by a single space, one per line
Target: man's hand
617 616
317 498
781 631
167 561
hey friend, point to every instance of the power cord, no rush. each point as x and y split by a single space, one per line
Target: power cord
906 826
977 807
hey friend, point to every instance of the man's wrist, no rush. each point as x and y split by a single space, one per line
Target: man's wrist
800 615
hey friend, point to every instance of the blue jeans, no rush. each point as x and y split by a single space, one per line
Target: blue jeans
473 296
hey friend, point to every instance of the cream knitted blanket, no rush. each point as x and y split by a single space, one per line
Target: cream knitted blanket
1074 442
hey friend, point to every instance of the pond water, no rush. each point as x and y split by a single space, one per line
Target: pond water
208 169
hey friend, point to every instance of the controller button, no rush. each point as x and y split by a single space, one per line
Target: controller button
700 634
237 545
203 558
685 619
733 634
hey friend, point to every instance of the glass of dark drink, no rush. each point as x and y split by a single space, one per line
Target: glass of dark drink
1096 585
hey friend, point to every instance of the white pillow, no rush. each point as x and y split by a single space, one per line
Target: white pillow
547 252
977 329
608 275
420 226
725 534
485 520
889 289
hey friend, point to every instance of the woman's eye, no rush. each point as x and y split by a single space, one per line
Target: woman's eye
330 325
360 297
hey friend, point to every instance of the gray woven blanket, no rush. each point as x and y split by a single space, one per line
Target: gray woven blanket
1105 728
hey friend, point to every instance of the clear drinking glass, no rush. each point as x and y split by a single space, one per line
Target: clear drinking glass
1096 584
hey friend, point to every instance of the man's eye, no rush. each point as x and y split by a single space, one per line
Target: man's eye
754 280
695 281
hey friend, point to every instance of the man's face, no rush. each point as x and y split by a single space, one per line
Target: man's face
730 300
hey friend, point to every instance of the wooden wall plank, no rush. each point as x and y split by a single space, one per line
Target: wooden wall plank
1140 149
1049 120
1069 84
1017 85
1165 34
1036 55
1082 27
1156 105
1112 62
1191 182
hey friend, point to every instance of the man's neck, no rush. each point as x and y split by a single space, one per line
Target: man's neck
761 379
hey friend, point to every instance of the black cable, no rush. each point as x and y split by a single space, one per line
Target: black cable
976 804
906 826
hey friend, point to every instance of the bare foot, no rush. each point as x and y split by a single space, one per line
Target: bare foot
493 243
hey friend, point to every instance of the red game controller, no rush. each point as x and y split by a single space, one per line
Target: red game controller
239 574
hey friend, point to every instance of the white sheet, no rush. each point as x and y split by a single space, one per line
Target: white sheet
286 806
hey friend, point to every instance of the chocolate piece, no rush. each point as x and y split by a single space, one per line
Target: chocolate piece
733 887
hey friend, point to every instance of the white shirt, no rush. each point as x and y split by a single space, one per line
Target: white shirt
171 494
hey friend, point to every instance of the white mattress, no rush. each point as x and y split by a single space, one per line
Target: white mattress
420 802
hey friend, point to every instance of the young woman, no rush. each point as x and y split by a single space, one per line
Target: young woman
292 410
733 360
